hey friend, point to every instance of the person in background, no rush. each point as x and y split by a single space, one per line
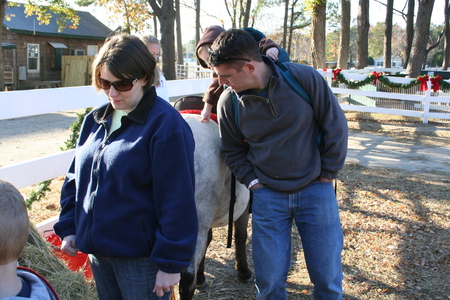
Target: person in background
118 200
154 47
266 46
17 282
277 157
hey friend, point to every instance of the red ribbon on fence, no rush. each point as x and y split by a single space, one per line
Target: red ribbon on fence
376 76
436 82
423 83
335 73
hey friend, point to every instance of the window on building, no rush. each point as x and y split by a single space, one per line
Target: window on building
33 54
92 50
77 52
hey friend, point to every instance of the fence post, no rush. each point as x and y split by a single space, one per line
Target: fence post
427 100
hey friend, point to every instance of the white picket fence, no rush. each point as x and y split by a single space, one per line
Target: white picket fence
16 104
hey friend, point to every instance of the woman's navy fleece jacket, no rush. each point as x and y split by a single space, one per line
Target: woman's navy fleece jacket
132 194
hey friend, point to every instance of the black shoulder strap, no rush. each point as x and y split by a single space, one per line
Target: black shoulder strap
235 100
294 84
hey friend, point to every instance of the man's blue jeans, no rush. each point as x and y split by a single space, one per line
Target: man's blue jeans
119 278
315 212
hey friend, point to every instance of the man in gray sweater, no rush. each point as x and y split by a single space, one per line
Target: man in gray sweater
269 140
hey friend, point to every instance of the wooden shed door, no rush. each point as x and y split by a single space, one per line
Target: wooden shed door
76 72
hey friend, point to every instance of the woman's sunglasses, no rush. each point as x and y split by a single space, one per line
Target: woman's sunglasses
119 85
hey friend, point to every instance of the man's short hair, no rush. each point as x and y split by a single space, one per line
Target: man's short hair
150 39
234 46
14 223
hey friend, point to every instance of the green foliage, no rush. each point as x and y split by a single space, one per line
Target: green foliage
371 78
332 44
67 16
71 143
84 2
370 61
38 193
376 40
438 58
135 14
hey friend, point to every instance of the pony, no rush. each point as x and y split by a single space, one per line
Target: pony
212 197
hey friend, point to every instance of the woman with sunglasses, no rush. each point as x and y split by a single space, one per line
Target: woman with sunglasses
128 197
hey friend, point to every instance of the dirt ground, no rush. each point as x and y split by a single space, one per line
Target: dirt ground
396 223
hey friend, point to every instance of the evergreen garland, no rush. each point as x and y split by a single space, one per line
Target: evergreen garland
339 77
42 188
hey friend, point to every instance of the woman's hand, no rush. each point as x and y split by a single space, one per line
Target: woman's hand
164 282
68 245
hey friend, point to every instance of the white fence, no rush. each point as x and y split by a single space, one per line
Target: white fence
426 105
17 104
192 71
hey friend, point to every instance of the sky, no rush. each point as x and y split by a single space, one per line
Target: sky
273 18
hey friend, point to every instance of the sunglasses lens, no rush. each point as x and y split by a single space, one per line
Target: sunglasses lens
104 84
123 85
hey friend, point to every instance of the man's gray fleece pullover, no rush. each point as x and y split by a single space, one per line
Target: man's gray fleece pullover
280 132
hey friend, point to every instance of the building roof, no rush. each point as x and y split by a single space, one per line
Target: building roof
89 27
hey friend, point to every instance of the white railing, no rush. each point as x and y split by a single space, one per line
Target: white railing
17 104
34 102
427 105
192 71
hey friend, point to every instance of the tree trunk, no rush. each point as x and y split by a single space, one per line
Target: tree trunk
446 62
166 16
248 7
344 39
421 35
318 34
291 27
409 30
388 34
2 68
363 34
285 22
180 59
197 21
231 13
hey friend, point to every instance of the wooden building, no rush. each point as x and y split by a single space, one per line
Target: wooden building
33 53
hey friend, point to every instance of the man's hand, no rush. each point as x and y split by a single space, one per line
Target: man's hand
256 186
325 180
164 282
68 245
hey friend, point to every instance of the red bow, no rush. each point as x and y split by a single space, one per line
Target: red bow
335 73
436 83
423 83
376 76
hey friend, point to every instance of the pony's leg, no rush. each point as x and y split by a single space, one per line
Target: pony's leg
240 238
189 274
201 268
